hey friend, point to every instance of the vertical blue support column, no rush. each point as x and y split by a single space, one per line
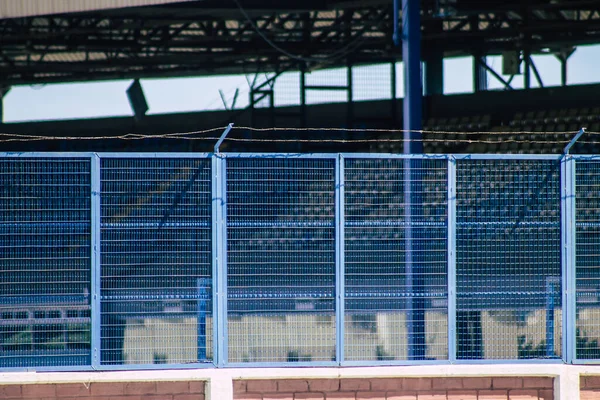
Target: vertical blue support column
411 56
219 259
452 259
339 259
413 260
567 211
95 250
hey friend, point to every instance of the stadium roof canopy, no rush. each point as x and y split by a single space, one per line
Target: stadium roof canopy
73 40
30 8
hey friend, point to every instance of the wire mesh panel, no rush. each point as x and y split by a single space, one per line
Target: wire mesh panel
395 259
45 222
587 185
156 261
281 259
508 259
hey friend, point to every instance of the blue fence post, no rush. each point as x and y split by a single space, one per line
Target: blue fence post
95 260
219 259
567 205
452 259
339 258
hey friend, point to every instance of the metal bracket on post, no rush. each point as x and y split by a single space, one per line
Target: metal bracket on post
573 141
223 136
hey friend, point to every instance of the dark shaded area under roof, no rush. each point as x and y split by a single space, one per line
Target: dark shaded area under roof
504 120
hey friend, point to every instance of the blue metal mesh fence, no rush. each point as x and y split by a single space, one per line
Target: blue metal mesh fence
395 259
508 259
280 259
283 229
156 261
44 262
588 259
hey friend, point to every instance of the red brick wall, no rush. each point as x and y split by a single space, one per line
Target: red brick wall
505 388
106 391
590 387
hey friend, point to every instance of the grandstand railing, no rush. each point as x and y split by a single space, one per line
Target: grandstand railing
124 260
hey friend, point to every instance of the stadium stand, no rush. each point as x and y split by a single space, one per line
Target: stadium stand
125 260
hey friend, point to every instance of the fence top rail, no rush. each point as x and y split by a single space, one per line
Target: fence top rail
39 154
153 155
556 157
586 157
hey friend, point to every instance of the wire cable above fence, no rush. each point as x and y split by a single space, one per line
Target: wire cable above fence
431 136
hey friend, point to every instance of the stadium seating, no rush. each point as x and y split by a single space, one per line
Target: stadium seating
530 132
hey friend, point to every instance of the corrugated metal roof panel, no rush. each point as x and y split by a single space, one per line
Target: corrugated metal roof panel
28 8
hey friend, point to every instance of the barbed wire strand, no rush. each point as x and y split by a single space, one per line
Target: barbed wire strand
390 141
490 136
384 130
485 141
128 136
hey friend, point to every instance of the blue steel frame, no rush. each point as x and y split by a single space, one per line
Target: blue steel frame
451 259
81 155
96 190
569 260
219 249
566 329
339 259
220 260
568 255
339 318
216 205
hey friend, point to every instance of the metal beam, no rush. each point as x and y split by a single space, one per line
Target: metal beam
563 56
171 41
536 73
495 74
25 8
527 69
434 73
479 73
563 72
3 92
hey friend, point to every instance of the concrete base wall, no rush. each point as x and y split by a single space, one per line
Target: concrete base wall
424 382
485 388
184 390
590 387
